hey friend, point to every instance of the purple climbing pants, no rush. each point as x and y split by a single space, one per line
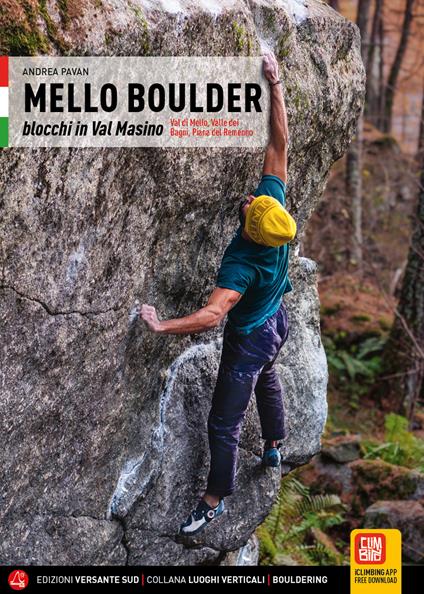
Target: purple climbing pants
247 363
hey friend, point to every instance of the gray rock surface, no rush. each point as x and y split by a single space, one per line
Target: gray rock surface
406 516
103 425
246 555
342 449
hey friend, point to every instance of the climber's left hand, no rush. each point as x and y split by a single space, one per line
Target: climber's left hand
270 67
149 315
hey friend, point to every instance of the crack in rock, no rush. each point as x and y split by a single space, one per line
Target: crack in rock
124 537
51 312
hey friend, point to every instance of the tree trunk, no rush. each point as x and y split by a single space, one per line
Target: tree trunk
362 22
373 65
381 86
396 66
354 154
403 359
354 190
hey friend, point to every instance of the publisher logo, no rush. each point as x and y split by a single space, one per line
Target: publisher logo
18 579
370 548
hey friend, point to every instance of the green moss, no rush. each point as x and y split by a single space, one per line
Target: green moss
108 39
373 471
16 41
143 29
384 324
297 97
24 37
249 46
110 36
284 45
63 11
242 38
52 30
360 318
385 478
331 310
269 19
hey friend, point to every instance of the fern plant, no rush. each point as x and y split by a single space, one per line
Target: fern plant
400 446
287 532
355 367
358 360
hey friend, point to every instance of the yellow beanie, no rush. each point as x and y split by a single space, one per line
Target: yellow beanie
268 222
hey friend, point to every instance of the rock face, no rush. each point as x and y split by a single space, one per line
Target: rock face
103 424
342 449
366 480
376 479
406 516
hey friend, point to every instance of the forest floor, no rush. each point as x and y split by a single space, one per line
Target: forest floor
353 313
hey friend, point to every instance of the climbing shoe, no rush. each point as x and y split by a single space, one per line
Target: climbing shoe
271 455
200 517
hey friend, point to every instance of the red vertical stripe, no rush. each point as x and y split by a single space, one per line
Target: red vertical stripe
4 71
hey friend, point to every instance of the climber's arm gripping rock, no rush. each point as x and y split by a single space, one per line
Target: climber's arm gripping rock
219 303
275 162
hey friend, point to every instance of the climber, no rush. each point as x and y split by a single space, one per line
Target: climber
251 282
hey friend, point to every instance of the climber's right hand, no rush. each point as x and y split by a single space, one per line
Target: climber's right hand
149 315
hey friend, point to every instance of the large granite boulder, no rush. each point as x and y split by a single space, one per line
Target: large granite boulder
103 425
